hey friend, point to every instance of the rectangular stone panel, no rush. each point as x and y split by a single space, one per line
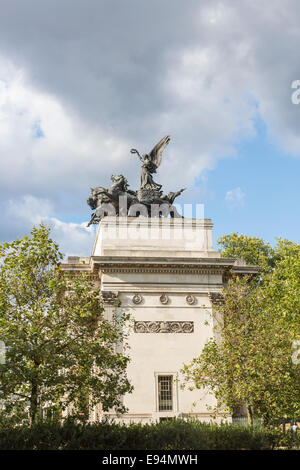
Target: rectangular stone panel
164 327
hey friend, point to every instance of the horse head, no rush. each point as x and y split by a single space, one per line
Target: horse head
120 183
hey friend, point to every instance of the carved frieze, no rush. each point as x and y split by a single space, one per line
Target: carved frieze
158 269
164 327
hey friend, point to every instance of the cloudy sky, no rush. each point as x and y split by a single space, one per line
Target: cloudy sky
83 81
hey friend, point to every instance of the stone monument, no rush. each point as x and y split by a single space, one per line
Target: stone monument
118 200
164 271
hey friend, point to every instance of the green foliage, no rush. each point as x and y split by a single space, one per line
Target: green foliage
60 349
251 249
289 440
12 414
249 361
168 435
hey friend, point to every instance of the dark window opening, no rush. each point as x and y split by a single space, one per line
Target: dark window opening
165 392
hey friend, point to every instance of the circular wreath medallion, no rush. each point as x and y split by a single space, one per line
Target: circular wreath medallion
175 327
164 299
188 327
190 299
140 327
137 299
154 327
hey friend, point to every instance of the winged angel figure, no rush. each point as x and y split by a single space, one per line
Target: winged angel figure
151 162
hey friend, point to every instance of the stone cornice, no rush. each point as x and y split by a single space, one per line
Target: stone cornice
76 267
246 269
204 266
151 260
157 265
124 264
159 269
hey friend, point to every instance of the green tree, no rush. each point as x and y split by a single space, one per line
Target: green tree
60 350
253 250
249 361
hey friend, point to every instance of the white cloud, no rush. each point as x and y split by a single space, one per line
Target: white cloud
29 208
73 238
42 144
235 198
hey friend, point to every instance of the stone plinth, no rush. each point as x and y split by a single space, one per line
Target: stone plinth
139 237
168 277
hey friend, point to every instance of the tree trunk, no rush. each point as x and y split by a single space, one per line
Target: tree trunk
266 420
33 403
250 414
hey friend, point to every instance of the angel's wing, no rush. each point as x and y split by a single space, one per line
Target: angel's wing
156 153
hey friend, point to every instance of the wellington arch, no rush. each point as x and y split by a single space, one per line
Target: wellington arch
164 272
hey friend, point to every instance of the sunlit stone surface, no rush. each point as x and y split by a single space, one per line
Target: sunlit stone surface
167 276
